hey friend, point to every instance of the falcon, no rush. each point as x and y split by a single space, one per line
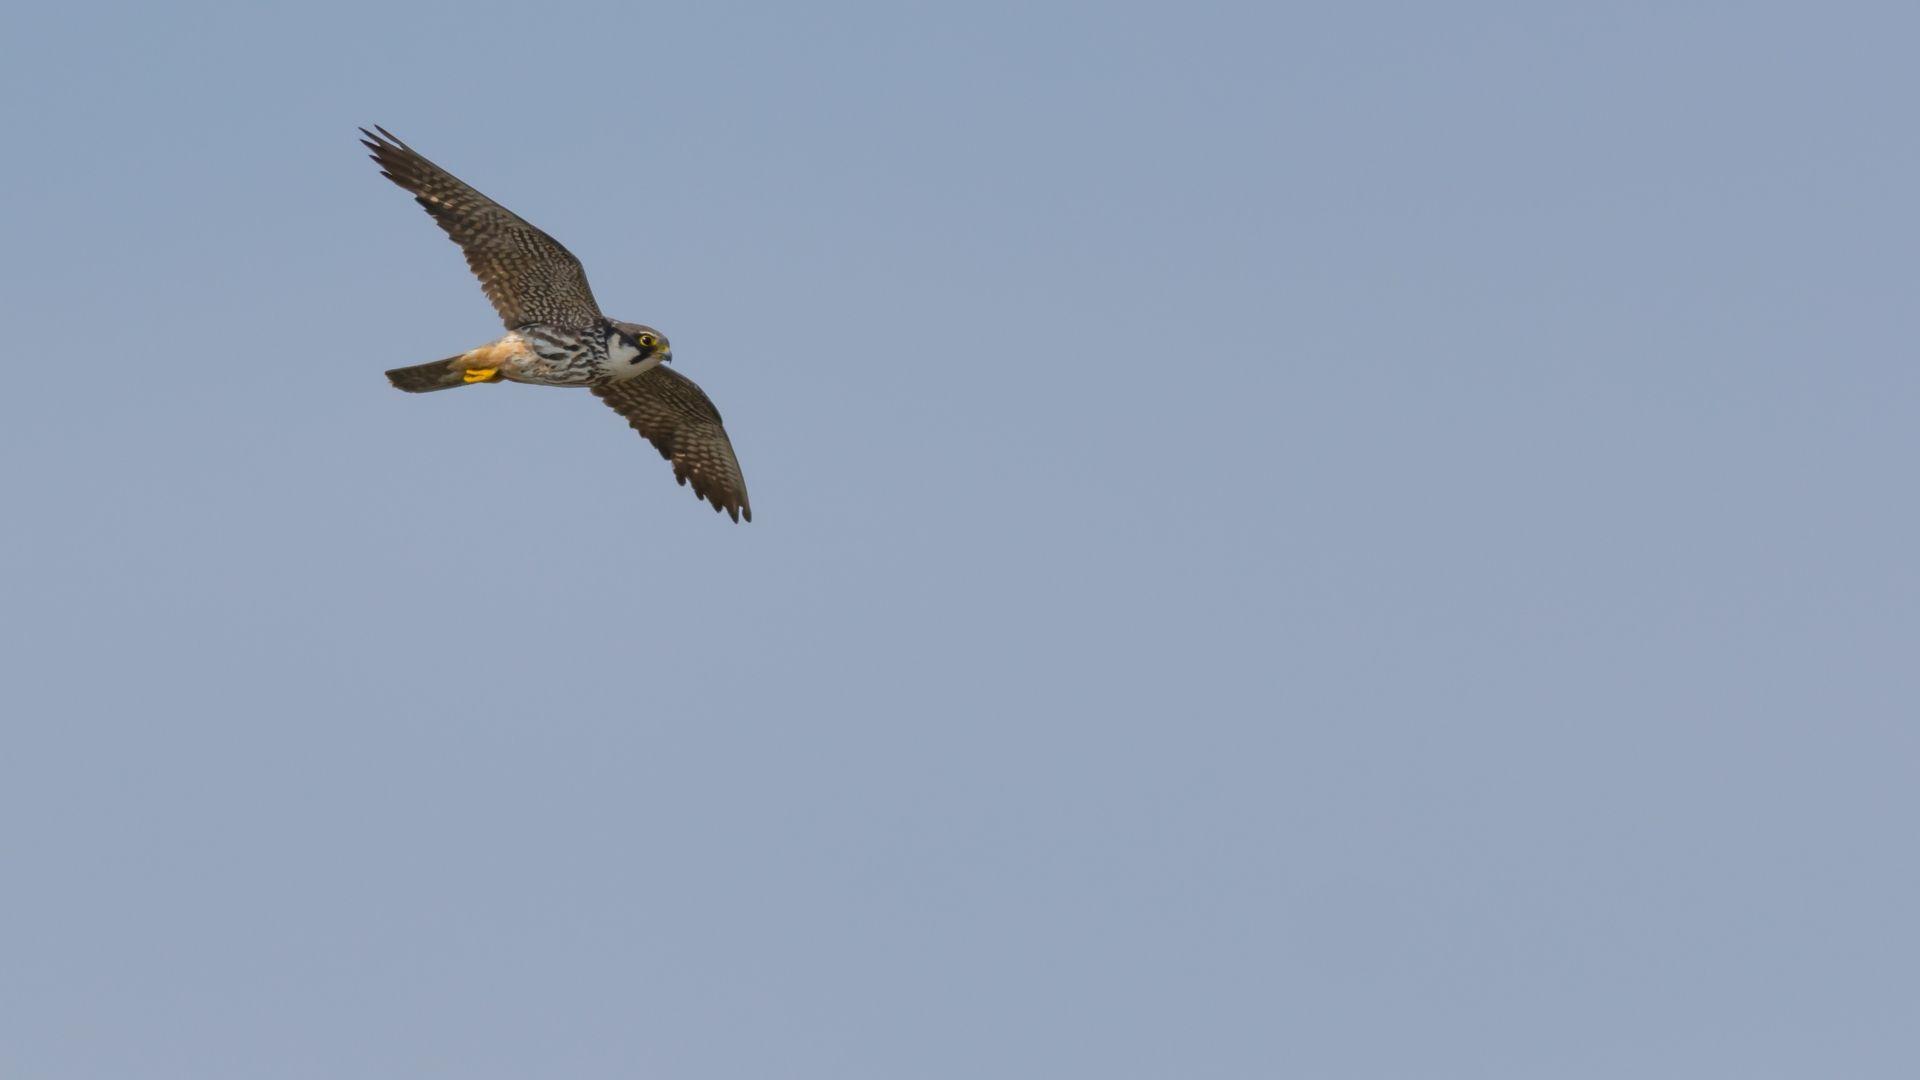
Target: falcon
556 335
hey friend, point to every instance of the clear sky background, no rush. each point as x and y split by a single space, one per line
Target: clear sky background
1321 540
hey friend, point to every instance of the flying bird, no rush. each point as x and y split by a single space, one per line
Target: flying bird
556 335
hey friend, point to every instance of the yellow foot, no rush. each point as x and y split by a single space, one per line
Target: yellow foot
485 374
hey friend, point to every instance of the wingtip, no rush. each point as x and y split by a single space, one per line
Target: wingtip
382 141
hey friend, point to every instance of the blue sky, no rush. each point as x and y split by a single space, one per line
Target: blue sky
1363 540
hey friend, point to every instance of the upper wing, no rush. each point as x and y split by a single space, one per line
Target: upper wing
683 425
527 274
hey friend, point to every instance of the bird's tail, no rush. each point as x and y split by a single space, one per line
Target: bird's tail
439 375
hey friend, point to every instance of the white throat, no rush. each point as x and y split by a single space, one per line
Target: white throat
620 354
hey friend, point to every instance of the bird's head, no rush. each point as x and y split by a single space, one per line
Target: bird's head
636 349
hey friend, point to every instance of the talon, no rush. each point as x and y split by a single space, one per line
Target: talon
485 374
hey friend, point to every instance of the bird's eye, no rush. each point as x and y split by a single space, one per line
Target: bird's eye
648 341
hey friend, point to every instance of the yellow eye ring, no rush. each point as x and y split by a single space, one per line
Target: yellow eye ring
648 341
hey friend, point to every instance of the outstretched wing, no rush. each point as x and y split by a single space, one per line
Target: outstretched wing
527 274
683 425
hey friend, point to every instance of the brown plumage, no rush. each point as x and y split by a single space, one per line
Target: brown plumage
528 275
683 425
556 333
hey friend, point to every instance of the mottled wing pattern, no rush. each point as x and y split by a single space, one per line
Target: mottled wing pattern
683 425
527 274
